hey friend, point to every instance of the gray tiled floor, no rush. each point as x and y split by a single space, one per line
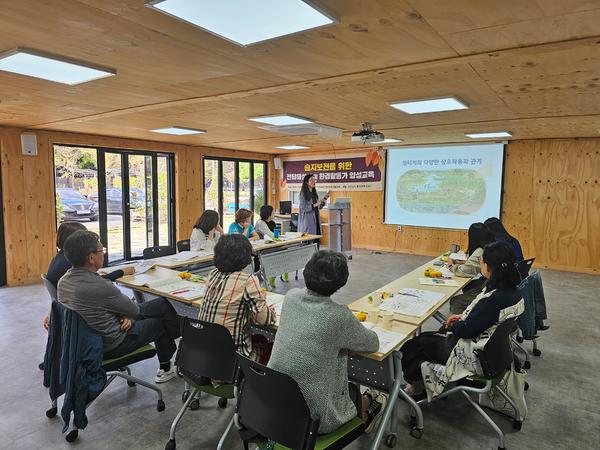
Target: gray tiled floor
564 399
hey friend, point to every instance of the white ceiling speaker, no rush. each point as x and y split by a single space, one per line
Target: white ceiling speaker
29 144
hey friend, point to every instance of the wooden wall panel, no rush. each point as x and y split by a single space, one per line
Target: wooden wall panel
28 193
551 203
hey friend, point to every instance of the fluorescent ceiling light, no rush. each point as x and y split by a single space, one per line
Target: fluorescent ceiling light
179 131
495 134
246 22
281 120
430 105
387 141
60 70
292 147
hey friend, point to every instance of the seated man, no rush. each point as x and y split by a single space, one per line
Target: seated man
123 324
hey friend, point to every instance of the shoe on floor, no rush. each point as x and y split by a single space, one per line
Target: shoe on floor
162 376
285 277
375 411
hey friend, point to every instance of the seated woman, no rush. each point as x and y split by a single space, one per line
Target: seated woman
312 343
206 231
243 224
234 298
479 236
265 225
442 357
501 235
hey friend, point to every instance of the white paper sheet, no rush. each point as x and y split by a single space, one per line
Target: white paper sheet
276 301
178 288
460 256
189 254
388 340
412 302
438 282
139 266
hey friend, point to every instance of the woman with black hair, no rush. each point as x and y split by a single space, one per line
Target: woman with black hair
312 343
265 226
234 298
479 236
501 235
206 231
431 360
309 220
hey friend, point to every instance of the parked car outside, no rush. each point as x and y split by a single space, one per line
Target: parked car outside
114 202
75 206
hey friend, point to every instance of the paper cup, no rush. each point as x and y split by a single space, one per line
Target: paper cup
387 318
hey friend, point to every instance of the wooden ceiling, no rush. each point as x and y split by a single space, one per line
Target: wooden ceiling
528 66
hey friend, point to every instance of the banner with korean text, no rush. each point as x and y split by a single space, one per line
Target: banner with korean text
352 172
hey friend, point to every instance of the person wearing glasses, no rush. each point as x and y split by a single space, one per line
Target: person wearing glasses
123 324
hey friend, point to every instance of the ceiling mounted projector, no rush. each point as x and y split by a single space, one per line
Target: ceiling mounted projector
367 134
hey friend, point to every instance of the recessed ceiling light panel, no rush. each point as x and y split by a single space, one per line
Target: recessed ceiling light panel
430 105
246 22
178 131
52 68
281 120
495 134
388 141
292 147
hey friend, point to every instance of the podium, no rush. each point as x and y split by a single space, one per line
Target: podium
339 226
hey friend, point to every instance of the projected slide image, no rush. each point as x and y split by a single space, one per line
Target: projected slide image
446 186
455 191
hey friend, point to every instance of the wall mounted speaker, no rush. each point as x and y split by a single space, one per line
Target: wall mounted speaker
29 144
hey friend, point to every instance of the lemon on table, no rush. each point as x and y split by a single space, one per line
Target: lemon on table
361 316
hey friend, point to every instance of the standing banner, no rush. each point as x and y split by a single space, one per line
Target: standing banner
350 172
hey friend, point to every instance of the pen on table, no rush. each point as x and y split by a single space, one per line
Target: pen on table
180 291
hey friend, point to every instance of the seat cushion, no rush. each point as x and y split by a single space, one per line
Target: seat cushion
142 353
222 391
335 440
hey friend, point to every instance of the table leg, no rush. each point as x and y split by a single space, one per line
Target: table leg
393 397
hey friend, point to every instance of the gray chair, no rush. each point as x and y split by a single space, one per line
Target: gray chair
157 252
495 359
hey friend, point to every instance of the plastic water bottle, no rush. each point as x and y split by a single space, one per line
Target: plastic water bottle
276 233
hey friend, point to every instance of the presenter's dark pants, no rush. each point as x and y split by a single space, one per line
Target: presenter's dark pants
156 323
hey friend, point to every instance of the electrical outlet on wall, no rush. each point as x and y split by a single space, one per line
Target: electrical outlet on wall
399 228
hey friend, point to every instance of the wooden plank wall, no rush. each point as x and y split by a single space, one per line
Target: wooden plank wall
551 203
28 193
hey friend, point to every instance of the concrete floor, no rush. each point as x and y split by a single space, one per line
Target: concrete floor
563 401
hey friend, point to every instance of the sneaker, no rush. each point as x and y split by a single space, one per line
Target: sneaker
285 277
271 281
162 376
375 411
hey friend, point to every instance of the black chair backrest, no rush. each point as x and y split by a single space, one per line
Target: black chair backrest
497 355
206 350
183 246
524 266
271 404
157 252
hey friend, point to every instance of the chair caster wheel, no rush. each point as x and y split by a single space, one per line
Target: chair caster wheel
520 339
537 352
416 433
517 424
501 448
179 374
526 386
222 403
171 445
160 406
195 404
527 365
130 383
390 440
184 396
41 366
51 412
72 435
